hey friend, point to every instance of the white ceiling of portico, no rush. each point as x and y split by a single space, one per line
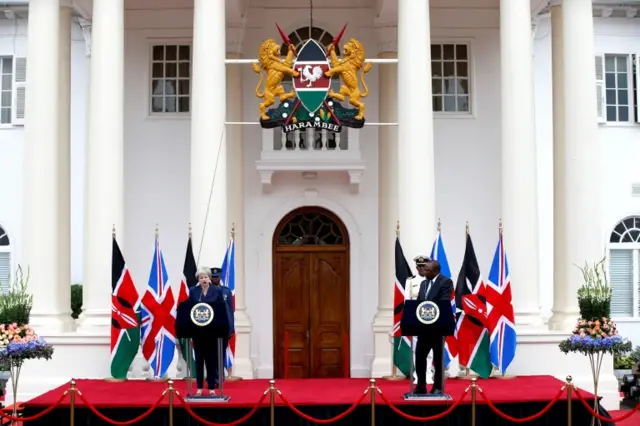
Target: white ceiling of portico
386 8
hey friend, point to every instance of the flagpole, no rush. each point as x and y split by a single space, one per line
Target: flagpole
467 370
394 369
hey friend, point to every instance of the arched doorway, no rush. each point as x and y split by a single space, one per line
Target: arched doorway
311 295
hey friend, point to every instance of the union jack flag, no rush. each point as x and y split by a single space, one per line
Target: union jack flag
229 280
438 253
500 316
158 316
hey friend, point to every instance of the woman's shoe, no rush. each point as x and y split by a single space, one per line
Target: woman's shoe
213 392
199 392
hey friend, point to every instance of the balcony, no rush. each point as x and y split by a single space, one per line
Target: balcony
309 151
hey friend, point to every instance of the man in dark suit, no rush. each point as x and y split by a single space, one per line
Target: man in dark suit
434 287
227 295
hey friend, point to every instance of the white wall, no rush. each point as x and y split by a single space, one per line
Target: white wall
619 153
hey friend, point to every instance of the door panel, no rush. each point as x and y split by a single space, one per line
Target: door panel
329 297
311 303
291 313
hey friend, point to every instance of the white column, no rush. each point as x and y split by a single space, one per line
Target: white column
519 160
243 367
416 162
104 177
208 139
64 167
41 165
387 202
578 237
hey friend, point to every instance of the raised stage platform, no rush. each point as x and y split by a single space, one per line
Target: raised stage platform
319 398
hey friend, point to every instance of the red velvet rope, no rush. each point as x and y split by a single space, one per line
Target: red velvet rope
233 423
427 418
324 421
102 417
341 416
35 416
623 417
524 419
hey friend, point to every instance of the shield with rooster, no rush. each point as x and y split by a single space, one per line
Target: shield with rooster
312 85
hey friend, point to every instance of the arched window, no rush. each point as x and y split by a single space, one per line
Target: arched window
5 259
310 139
624 268
310 228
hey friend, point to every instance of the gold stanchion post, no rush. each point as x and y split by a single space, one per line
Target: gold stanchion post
272 402
170 391
569 399
372 390
72 403
474 389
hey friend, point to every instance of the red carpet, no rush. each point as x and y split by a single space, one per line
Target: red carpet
246 393
632 421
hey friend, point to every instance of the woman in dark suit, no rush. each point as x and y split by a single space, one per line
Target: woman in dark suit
205 348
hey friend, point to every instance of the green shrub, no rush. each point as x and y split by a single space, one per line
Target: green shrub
624 363
76 300
594 297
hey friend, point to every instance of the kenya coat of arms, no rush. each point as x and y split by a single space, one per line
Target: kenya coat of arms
311 103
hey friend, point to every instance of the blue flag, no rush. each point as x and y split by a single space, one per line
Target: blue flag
438 253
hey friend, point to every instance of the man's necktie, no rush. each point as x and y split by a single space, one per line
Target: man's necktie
426 293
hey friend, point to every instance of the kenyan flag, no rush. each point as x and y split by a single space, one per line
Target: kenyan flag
125 317
189 280
312 85
401 344
471 325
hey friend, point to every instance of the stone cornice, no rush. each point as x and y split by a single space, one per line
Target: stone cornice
85 26
235 37
387 36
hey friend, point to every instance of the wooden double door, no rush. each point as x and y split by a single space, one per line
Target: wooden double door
311 311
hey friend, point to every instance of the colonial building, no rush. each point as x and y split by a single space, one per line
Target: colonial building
137 113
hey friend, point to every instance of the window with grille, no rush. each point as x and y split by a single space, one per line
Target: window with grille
624 268
5 260
450 78
617 77
13 74
170 79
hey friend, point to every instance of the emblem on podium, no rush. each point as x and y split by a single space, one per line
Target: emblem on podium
427 312
201 314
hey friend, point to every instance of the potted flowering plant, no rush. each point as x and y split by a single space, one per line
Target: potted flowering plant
595 334
18 340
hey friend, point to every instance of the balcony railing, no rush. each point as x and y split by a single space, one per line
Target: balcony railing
310 150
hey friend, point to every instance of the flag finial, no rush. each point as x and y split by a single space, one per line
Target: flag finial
190 231
500 226
113 231
157 231
398 229
466 226
233 230
439 225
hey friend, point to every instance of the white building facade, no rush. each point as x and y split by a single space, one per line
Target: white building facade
531 116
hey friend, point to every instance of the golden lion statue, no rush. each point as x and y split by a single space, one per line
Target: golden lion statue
347 68
276 69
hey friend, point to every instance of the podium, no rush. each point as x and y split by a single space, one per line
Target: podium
204 320
426 318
